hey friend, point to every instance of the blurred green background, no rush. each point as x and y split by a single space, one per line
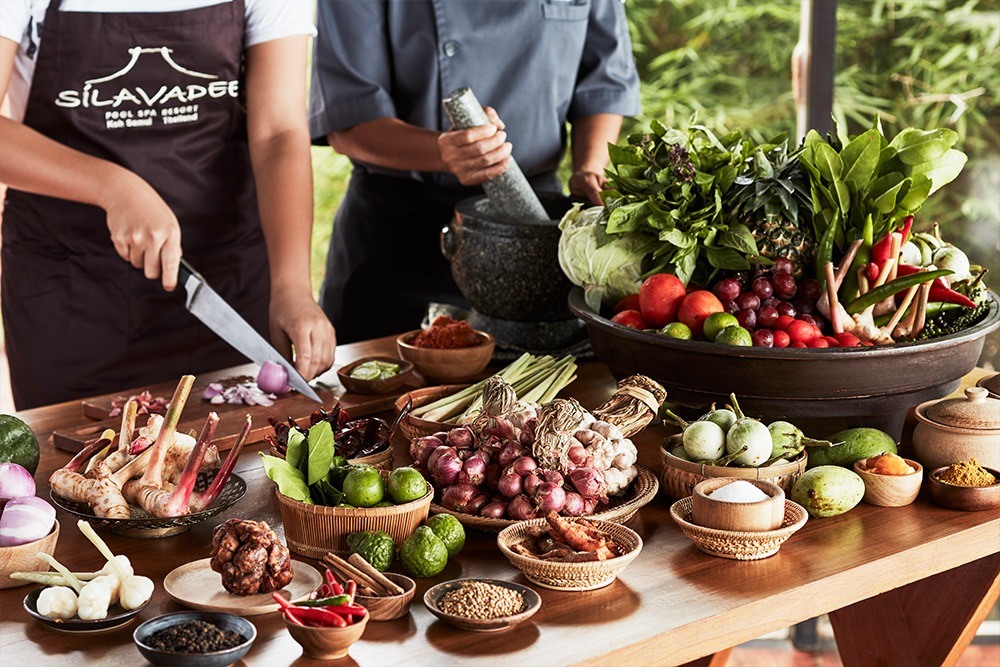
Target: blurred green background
921 63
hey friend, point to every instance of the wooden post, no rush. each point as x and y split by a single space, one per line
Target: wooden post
813 66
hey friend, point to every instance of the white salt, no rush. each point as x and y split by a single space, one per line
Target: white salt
739 492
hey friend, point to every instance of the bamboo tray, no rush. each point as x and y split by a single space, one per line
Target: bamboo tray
642 490
414 427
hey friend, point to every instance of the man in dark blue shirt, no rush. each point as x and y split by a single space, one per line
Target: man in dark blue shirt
380 69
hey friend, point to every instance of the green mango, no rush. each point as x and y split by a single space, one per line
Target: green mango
857 444
828 490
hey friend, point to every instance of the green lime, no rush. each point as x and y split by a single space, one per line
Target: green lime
347 506
716 322
677 330
423 554
449 530
734 335
385 503
18 443
406 485
366 373
364 487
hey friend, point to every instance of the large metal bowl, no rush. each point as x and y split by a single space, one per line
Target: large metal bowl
827 388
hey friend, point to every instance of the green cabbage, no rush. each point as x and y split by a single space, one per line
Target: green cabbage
607 266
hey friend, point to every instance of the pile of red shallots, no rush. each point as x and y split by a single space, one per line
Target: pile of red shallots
518 462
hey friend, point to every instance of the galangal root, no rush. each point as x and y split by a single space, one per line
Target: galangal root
168 463
567 541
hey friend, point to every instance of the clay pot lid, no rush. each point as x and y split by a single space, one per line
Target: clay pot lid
976 411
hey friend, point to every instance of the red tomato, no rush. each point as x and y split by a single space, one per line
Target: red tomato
801 331
832 341
783 322
630 302
659 298
630 318
798 343
819 341
848 339
695 309
781 338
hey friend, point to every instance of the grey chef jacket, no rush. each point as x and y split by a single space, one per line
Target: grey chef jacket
538 62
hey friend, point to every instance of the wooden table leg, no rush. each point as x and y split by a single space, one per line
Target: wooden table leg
928 622
715 660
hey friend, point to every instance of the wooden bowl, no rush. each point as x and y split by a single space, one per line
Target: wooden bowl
22 558
818 389
455 365
584 576
753 516
990 383
390 607
890 490
531 599
326 643
965 498
414 427
679 477
734 544
375 387
314 530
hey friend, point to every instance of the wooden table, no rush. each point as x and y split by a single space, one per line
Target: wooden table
903 586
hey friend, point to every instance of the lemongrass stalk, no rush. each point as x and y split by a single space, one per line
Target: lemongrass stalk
72 581
468 394
53 578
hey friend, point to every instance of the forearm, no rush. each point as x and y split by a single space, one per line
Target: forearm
34 163
390 143
590 138
283 175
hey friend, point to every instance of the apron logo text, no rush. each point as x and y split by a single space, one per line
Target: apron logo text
147 105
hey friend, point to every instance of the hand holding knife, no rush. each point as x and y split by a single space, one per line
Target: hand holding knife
205 303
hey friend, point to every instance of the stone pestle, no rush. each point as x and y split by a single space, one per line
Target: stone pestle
510 194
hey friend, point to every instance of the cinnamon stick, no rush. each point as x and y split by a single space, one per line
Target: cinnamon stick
354 573
357 561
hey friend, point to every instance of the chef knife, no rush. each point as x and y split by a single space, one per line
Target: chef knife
205 303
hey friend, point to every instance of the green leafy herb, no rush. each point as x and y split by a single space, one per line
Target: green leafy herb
321 451
289 479
296 451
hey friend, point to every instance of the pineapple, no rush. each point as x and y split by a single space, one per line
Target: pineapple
774 203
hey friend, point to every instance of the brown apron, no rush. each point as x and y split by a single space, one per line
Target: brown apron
159 94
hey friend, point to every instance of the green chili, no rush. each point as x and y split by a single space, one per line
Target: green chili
335 601
824 253
892 287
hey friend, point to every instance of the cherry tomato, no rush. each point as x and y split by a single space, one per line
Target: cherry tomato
783 321
802 331
819 341
847 339
781 339
798 343
832 341
630 302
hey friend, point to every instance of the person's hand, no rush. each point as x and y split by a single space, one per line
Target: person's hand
298 322
144 230
587 185
477 154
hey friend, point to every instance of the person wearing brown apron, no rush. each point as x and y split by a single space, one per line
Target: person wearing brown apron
160 95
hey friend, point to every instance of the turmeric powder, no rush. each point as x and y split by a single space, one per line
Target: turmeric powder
967 473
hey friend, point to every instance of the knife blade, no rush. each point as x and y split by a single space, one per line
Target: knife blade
205 303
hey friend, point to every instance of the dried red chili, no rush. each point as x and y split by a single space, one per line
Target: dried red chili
446 333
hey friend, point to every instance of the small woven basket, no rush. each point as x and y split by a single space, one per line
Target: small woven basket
414 427
679 476
314 530
643 489
584 576
738 545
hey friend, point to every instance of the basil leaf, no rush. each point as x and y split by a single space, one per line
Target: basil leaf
626 218
290 481
296 447
624 155
678 238
726 259
321 451
739 238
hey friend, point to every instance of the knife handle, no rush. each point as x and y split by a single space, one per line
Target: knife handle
185 271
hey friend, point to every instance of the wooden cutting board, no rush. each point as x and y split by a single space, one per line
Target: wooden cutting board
293 405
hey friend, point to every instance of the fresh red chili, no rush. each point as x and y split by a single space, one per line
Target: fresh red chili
880 251
352 589
291 619
940 289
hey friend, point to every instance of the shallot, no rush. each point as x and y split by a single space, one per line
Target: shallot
273 378
494 509
422 448
510 485
460 438
521 508
459 496
574 504
530 482
550 497
491 480
511 452
523 465
474 468
588 482
445 468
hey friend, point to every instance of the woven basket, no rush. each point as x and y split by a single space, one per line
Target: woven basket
738 545
380 460
570 576
314 530
414 427
680 476
642 490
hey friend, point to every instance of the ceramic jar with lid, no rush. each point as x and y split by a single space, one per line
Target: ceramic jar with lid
957 429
